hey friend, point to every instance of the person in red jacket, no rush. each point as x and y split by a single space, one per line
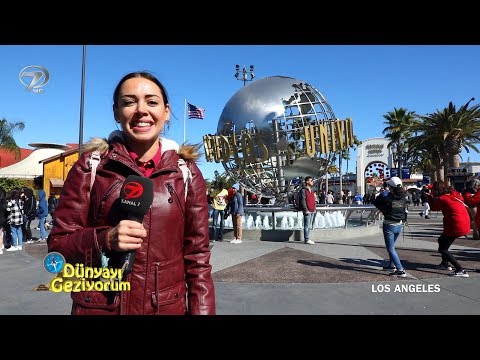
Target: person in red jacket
472 199
456 223
171 272
308 207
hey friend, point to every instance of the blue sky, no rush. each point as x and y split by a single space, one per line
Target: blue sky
359 81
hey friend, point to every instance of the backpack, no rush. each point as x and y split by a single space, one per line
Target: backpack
391 208
32 211
296 199
52 204
30 206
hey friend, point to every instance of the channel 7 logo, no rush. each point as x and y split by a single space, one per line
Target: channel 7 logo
34 77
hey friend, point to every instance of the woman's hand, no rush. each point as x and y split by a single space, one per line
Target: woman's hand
127 235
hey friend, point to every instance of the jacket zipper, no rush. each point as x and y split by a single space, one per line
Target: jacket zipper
174 194
107 193
157 310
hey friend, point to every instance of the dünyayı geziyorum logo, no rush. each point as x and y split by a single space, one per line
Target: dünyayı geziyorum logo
78 277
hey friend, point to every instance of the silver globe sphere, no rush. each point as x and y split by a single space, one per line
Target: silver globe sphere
271 132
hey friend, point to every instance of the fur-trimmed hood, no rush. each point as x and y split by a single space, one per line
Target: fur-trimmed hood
186 151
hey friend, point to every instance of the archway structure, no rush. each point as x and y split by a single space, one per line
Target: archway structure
374 161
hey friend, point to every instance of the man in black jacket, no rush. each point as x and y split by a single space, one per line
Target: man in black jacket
393 207
52 205
29 211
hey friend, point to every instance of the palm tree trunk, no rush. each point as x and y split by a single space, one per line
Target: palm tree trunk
326 182
456 161
340 172
441 173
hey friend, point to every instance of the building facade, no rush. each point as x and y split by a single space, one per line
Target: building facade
375 164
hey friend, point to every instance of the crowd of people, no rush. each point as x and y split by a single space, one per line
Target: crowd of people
225 203
167 245
460 210
18 208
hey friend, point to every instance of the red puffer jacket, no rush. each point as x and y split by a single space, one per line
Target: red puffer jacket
172 272
456 220
473 200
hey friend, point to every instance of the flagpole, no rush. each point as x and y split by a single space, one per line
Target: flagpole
185 121
82 91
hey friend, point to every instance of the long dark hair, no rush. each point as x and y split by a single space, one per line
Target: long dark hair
13 194
440 188
3 196
140 74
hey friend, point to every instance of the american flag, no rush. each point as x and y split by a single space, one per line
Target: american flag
194 112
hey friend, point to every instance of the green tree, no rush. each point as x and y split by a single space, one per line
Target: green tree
7 141
443 134
463 132
11 183
399 128
426 145
221 181
344 154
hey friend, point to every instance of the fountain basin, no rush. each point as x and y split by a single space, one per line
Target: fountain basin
286 224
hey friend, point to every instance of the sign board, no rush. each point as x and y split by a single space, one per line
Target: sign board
405 173
457 171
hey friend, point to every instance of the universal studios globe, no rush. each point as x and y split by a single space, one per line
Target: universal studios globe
274 130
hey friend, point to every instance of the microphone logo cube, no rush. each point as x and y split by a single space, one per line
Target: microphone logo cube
132 190
136 196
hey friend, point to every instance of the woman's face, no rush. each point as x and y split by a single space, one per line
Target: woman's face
141 110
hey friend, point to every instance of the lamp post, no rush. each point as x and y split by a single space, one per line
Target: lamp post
399 157
246 75
82 91
395 160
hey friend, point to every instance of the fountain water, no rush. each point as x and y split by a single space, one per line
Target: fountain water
289 220
250 223
258 222
266 223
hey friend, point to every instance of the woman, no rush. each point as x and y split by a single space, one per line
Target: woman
472 199
424 193
456 223
171 272
42 213
393 205
15 219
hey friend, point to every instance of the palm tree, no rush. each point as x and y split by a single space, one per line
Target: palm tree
464 132
445 133
7 141
344 154
426 144
330 169
399 124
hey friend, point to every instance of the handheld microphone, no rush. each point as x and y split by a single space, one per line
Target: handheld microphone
136 197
